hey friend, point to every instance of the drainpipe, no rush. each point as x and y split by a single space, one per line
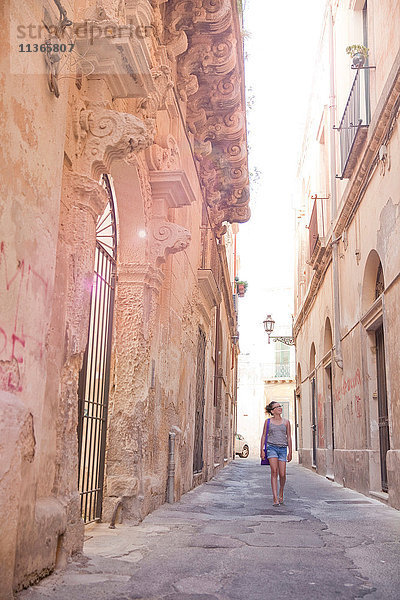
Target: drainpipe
337 355
171 468
117 507
171 464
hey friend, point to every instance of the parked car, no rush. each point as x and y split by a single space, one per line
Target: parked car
241 446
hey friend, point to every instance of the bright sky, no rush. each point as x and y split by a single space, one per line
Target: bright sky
281 48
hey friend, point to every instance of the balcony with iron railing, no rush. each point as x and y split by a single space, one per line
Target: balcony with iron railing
279 370
353 127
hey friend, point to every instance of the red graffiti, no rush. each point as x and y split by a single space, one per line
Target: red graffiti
347 386
358 407
21 288
10 376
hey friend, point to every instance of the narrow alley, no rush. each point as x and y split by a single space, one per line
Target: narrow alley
224 540
199 229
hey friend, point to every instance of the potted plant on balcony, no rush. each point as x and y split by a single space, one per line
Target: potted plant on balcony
241 287
358 53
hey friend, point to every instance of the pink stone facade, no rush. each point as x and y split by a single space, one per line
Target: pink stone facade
348 258
124 173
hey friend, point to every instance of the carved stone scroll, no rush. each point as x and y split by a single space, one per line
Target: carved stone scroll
110 135
166 238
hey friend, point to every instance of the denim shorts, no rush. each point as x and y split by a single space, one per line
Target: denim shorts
279 452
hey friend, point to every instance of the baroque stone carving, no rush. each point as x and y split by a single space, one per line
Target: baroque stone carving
89 195
163 83
164 154
111 42
167 238
144 181
110 135
211 82
212 16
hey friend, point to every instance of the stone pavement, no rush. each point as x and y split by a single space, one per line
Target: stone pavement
225 541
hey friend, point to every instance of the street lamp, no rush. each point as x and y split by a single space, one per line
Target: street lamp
269 324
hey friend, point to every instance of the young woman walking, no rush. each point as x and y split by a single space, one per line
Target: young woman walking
279 448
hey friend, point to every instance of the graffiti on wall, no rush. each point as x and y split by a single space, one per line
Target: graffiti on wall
22 289
347 390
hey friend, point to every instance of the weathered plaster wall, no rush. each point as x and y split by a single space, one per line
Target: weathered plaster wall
50 203
29 212
383 19
372 232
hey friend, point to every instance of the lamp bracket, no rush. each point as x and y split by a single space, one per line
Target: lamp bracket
285 339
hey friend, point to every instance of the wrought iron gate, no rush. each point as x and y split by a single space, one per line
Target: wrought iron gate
383 415
199 416
94 377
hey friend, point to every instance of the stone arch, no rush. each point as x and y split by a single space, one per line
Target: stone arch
328 340
298 374
312 358
131 212
373 280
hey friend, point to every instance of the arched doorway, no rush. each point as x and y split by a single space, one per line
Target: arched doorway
373 288
94 378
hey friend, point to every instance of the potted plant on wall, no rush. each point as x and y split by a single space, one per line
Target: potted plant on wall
358 53
241 287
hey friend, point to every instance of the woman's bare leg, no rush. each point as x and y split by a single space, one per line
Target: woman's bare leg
274 478
282 478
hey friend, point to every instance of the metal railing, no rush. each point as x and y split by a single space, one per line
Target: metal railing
356 116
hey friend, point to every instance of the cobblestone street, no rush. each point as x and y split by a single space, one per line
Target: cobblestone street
225 541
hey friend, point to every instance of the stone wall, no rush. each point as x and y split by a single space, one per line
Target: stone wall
366 230
133 110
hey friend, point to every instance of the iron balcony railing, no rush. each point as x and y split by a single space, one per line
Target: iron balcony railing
354 124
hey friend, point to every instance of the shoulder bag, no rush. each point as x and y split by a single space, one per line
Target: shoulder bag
265 461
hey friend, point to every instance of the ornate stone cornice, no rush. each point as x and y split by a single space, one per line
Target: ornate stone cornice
210 80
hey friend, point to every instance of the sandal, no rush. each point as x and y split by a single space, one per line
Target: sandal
275 504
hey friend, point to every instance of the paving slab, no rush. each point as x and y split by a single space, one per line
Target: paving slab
225 541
